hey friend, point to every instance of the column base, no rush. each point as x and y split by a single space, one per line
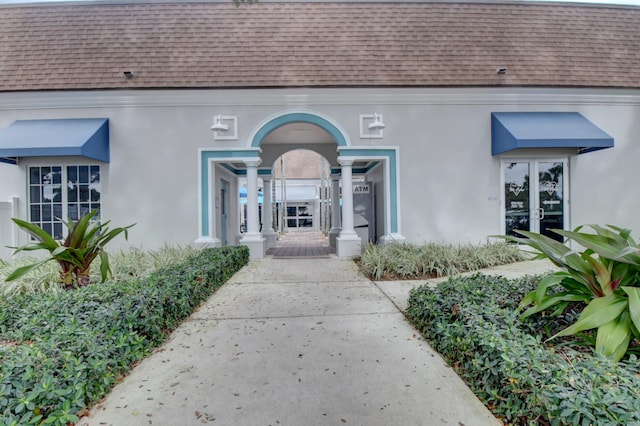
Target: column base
333 234
270 237
348 245
256 245
393 238
204 242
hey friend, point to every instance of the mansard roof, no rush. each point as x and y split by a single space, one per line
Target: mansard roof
75 46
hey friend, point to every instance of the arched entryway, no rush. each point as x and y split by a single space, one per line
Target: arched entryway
284 132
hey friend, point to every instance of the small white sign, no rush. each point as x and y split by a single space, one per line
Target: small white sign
360 189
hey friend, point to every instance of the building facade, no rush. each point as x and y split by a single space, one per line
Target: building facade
466 120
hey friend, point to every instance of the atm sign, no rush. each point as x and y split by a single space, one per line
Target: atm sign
360 189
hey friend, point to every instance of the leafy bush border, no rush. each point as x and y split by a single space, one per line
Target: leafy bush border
474 324
62 352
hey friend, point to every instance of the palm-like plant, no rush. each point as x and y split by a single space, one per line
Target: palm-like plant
605 276
75 254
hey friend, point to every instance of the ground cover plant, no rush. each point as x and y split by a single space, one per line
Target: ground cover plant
429 260
60 352
474 323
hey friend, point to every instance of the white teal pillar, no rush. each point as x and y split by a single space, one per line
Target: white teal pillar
348 244
335 210
253 238
267 214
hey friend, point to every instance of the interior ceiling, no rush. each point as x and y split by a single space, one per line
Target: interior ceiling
302 135
298 133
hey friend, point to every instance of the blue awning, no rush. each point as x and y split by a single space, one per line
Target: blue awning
86 137
513 130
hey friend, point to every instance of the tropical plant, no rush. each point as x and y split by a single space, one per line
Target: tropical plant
605 276
431 259
75 254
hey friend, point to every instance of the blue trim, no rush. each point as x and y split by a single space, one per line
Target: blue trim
243 172
513 130
391 155
85 137
205 157
298 117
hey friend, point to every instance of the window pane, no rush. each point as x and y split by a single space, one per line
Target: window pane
305 223
291 211
56 175
72 174
35 213
46 213
95 174
47 228
95 192
72 191
57 211
45 172
73 211
291 223
83 193
83 174
57 192
57 231
34 194
84 209
96 207
34 175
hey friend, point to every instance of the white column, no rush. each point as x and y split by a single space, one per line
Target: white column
267 217
253 238
348 243
335 210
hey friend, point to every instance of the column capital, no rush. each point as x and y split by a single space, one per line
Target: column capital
345 161
336 176
252 163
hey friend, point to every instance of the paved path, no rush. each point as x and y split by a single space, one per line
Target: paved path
294 342
302 244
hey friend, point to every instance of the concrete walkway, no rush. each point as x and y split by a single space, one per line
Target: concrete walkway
294 342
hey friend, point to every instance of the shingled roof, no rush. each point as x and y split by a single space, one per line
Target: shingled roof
317 44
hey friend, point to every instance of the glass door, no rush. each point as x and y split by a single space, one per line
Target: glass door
534 196
550 207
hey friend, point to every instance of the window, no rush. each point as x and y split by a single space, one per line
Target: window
50 201
299 216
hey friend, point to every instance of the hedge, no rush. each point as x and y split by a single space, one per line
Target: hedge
62 352
473 323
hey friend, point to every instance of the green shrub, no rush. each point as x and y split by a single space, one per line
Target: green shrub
409 261
62 352
473 322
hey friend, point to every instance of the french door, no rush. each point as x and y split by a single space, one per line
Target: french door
535 196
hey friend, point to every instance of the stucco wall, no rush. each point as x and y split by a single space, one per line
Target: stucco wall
449 181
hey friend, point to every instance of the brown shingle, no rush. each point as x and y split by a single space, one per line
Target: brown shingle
218 45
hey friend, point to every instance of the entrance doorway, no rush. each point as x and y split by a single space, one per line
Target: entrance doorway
535 196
